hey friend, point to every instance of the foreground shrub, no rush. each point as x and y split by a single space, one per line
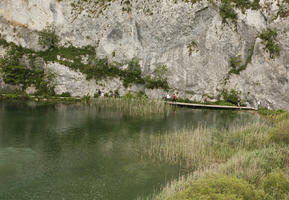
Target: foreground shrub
252 166
267 112
276 185
219 188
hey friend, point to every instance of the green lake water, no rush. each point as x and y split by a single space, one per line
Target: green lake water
80 152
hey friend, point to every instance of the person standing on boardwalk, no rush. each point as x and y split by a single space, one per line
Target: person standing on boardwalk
168 97
174 97
239 102
259 104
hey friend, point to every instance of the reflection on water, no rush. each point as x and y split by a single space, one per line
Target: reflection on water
80 152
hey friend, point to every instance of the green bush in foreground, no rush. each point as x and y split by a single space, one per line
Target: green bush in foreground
265 111
220 188
252 166
276 185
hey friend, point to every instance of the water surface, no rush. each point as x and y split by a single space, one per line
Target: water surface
80 152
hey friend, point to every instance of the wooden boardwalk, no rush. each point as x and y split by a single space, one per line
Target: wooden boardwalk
192 105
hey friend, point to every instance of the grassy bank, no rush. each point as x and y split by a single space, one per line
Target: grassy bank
248 162
132 105
48 99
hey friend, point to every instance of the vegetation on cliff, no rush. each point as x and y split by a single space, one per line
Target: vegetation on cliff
269 39
15 71
25 67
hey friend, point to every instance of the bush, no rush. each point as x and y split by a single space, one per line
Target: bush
235 64
267 112
133 73
153 83
21 75
252 166
219 188
227 12
276 185
247 4
269 40
191 45
158 78
275 115
48 38
135 95
283 10
231 96
65 94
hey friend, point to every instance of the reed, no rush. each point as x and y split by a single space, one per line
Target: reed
254 165
246 152
134 107
202 147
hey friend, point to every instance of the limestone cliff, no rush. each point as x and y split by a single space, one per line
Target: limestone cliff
207 46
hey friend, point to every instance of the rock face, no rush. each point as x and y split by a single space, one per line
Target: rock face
159 32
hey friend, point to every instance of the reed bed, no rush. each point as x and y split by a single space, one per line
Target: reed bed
254 165
135 107
248 153
197 149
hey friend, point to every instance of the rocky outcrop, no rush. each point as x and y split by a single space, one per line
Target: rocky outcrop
159 32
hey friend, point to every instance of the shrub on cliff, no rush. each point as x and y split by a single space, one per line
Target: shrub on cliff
158 78
231 96
269 40
48 38
227 12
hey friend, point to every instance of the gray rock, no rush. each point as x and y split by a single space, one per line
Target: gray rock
162 38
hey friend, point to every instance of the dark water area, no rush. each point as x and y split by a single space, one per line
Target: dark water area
80 152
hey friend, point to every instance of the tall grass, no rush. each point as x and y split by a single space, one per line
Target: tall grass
254 165
280 134
202 147
257 154
134 107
